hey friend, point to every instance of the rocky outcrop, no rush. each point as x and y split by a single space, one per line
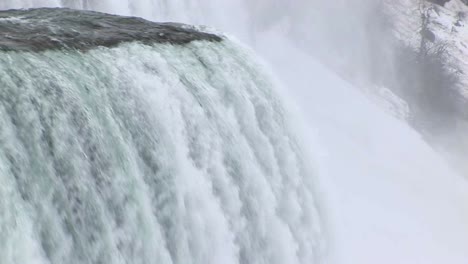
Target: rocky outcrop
58 28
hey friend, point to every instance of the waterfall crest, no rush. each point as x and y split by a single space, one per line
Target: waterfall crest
156 153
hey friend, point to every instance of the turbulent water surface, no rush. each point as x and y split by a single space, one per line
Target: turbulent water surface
158 151
145 152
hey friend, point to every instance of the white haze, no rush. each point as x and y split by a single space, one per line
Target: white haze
390 198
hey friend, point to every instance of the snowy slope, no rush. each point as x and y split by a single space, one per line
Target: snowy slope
449 25
456 6
447 31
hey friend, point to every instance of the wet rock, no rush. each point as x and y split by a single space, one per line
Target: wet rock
59 28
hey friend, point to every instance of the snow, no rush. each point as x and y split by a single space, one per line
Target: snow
447 23
391 198
457 6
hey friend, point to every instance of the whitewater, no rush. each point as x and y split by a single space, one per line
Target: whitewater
162 153
229 160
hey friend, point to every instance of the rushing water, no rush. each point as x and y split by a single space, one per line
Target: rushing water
156 153
163 153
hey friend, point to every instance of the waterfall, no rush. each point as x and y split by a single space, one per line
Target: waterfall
146 150
128 141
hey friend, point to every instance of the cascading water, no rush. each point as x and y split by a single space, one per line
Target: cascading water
136 147
184 153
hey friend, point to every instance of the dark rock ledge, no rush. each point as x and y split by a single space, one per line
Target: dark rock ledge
59 28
